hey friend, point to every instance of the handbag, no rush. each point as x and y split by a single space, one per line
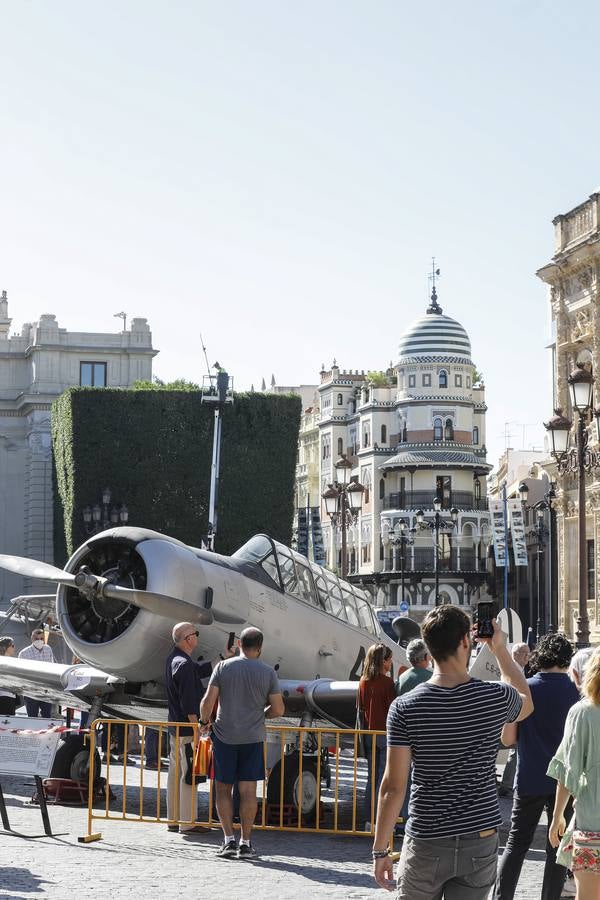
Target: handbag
203 757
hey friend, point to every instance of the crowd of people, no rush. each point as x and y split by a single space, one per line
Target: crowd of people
443 733
431 775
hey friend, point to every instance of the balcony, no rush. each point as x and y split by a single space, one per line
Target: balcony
422 560
462 500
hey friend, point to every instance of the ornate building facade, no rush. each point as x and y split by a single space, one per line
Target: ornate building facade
36 366
412 433
573 276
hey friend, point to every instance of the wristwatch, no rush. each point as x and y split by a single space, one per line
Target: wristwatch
380 854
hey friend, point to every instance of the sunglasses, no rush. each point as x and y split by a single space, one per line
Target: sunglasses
192 634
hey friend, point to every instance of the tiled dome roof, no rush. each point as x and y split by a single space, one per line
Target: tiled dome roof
435 334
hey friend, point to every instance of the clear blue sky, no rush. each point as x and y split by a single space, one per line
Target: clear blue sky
277 175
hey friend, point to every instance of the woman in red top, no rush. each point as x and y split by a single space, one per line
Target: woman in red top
375 693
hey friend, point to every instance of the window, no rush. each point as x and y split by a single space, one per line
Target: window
426 380
437 430
353 448
476 434
591 570
340 400
335 596
468 381
383 434
366 553
412 380
92 374
288 573
449 430
367 436
404 433
458 381
477 488
381 488
365 478
305 585
340 446
442 378
326 446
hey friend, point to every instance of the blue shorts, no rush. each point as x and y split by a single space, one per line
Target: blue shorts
238 762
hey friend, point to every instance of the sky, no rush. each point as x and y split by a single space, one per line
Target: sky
276 177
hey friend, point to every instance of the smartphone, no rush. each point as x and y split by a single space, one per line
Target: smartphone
231 640
485 613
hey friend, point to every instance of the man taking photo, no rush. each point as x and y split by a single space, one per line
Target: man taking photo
449 728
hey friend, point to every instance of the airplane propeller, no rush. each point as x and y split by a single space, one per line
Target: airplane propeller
88 583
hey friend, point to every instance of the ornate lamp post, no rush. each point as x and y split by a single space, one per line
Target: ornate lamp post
99 517
343 502
436 525
577 460
401 536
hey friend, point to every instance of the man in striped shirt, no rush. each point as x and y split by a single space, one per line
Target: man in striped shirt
39 651
449 728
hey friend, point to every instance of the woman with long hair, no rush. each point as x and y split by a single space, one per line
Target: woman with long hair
8 701
376 691
576 767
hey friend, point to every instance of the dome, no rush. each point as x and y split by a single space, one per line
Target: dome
435 334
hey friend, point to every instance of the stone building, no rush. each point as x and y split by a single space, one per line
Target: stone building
412 433
573 279
36 366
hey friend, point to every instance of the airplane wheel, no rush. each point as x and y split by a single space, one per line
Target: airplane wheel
72 761
293 790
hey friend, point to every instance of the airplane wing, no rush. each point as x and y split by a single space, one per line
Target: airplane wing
74 685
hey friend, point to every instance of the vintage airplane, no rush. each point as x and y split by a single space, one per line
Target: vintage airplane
123 589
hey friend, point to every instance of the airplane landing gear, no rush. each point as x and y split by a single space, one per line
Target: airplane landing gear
72 760
298 792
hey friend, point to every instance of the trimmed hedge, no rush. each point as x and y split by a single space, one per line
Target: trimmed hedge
153 449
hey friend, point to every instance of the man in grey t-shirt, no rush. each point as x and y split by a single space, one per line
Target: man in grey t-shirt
247 691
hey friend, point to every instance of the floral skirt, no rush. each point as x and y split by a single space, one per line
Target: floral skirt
585 849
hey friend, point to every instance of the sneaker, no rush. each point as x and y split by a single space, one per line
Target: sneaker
227 851
569 888
246 851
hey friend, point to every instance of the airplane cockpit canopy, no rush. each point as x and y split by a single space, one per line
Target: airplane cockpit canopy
295 574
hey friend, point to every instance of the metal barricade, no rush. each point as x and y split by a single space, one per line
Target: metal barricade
316 780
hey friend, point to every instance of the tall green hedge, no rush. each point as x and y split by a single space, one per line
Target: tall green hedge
153 449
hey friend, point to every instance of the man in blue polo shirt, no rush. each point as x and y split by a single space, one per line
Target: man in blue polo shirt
553 695
183 679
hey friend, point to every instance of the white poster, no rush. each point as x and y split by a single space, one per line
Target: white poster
517 528
27 746
497 515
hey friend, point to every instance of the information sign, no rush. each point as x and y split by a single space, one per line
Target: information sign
27 746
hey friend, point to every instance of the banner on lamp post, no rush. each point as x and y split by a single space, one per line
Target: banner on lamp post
498 532
517 530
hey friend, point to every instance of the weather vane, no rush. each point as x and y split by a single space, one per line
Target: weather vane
434 307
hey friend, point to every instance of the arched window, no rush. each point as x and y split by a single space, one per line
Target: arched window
477 488
437 430
404 433
449 430
383 434
476 434
442 378
340 446
381 488
340 400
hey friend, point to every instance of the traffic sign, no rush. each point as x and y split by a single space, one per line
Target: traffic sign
404 607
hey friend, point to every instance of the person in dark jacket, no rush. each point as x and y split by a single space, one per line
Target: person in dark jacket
183 679
553 694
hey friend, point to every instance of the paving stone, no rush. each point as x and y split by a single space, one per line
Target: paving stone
138 860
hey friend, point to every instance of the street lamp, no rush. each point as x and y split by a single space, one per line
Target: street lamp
98 518
436 525
402 536
343 502
577 460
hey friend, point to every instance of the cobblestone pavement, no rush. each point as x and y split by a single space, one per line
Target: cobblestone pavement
135 860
